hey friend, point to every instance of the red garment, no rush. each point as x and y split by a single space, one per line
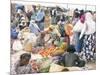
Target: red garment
82 18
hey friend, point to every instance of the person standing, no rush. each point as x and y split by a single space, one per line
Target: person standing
89 39
40 16
77 31
34 27
47 18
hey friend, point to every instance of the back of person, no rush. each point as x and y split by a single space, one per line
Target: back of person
70 59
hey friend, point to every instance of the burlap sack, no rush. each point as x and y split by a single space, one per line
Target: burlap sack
28 47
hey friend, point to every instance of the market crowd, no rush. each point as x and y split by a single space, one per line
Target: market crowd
60 38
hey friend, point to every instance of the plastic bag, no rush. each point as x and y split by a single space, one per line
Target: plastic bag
17 46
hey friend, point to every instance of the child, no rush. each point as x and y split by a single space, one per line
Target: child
70 59
22 66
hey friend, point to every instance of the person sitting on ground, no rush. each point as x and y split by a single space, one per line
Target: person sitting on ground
23 66
70 59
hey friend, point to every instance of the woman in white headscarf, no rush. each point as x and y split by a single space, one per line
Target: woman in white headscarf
89 39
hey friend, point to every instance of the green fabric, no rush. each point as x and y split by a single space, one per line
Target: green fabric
44 70
46 65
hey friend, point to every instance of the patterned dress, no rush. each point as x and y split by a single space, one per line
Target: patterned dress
89 47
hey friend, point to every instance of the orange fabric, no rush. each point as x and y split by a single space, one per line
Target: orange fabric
47 52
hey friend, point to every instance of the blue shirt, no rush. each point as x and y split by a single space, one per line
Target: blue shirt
14 34
40 15
34 28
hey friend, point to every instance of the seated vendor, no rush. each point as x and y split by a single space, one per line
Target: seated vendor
70 59
23 66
